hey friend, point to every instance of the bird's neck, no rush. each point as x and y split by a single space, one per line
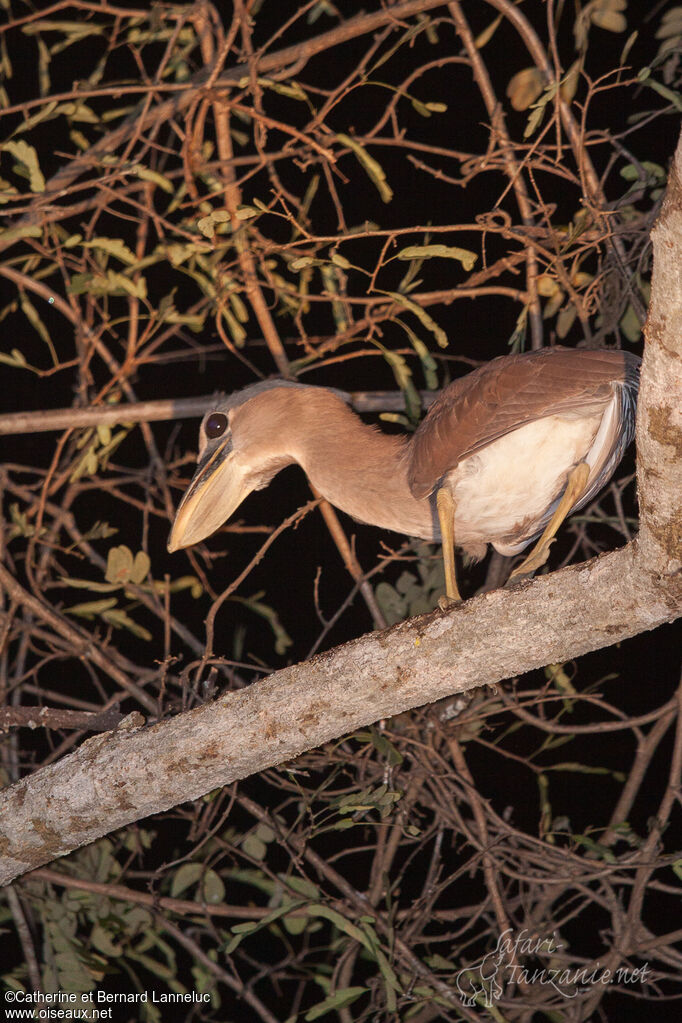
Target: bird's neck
358 468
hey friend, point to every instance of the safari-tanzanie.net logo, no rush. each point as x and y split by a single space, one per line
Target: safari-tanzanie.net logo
522 959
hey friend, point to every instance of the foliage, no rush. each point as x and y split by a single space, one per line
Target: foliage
201 195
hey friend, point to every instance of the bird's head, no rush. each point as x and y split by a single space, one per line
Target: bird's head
243 442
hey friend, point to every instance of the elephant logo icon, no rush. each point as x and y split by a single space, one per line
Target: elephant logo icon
480 984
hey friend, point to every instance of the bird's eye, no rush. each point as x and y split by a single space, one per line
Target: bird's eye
216 424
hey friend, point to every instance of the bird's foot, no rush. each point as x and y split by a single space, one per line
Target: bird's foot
445 602
535 560
516 579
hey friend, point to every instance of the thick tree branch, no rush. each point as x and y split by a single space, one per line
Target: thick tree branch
113 780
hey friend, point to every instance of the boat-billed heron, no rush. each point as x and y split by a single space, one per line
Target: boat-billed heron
503 456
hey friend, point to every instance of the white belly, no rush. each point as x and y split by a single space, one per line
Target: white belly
504 493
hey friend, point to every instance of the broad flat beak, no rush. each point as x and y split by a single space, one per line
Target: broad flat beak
216 491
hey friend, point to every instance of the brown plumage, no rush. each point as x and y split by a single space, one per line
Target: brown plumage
507 393
489 463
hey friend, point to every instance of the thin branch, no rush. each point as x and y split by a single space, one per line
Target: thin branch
53 717
42 421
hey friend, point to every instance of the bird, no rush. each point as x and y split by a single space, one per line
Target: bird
505 453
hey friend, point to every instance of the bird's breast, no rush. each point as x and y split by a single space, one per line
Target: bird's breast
504 494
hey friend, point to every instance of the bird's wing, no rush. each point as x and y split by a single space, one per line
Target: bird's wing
504 395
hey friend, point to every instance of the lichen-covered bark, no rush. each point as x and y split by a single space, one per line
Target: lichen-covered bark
118 778
659 424
131 773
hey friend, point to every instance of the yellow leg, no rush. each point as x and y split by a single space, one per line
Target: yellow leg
446 517
577 479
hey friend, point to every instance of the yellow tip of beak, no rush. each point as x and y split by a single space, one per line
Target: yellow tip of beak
213 495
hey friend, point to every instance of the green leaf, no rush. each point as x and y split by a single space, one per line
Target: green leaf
185 877
255 847
15 358
339 1000
630 324
429 366
33 317
303 261
240 931
393 606
601 851
246 212
339 260
553 305
565 321
25 231
295 925
158 969
141 566
610 20
235 328
119 564
654 171
246 928
114 247
185 582
438 962
302 886
585 769
104 433
517 340
27 158
425 109
421 314
282 639
68 28
88 584
403 378
79 112
120 620
86 466
525 87
569 83
387 749
265 833
292 89
102 940
390 980
158 179
374 170
79 140
663 90
534 121
484 37
557 674
464 256
341 924
91 609
48 111
213 888
238 307
110 284
207 225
